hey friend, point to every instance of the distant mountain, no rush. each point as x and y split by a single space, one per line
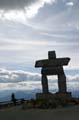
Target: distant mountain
21 94
29 95
75 94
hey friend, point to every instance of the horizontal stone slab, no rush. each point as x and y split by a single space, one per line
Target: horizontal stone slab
52 62
52 71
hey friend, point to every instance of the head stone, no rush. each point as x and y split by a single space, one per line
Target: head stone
51 55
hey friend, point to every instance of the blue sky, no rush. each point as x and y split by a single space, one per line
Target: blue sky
28 30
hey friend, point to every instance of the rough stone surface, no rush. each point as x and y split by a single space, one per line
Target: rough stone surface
53 66
44 84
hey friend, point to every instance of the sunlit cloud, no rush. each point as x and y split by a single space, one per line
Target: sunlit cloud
21 11
70 4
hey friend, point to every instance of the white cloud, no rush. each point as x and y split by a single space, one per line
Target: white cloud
7 76
20 44
70 4
21 10
72 67
21 80
33 9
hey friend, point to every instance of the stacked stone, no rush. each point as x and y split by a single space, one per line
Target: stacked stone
53 66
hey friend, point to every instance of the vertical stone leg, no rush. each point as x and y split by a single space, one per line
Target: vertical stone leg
44 84
62 83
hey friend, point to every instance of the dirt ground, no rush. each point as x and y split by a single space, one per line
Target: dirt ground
16 113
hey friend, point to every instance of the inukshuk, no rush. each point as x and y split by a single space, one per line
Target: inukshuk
53 66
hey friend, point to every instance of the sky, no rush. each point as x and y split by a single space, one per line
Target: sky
31 28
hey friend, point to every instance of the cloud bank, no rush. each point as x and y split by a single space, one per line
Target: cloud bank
28 81
7 76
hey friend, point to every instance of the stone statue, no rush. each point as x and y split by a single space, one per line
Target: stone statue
53 66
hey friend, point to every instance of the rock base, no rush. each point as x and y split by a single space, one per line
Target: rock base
50 96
